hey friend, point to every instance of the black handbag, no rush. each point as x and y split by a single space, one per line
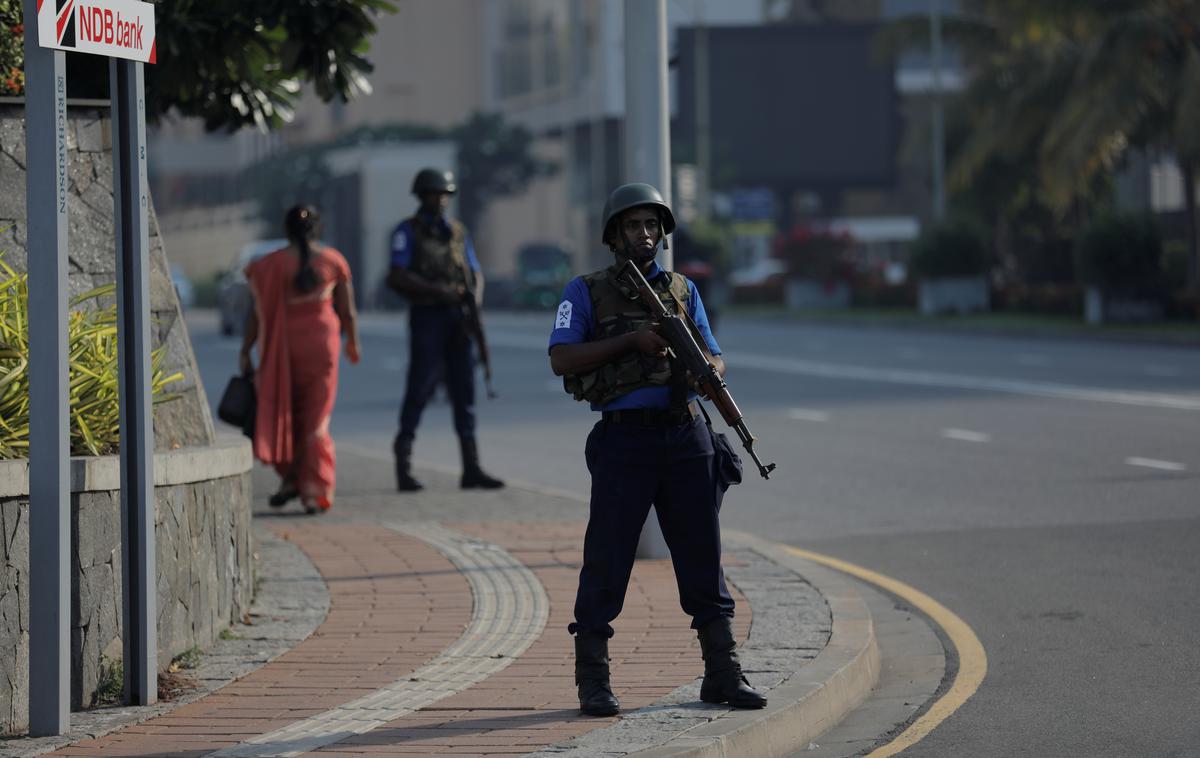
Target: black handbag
727 464
239 403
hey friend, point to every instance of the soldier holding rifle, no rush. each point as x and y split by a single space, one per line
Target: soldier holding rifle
434 267
650 446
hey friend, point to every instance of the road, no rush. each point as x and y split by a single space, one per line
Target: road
1043 490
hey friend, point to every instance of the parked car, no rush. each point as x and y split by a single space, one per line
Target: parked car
233 291
543 270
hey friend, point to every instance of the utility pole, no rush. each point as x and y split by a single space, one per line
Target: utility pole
647 144
939 117
703 130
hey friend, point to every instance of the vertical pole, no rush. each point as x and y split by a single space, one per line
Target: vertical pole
647 121
703 135
131 199
647 144
49 441
939 126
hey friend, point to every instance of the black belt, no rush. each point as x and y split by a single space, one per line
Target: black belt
653 416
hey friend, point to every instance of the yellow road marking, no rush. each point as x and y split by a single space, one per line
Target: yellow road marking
972 660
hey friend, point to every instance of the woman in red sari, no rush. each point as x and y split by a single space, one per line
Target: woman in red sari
303 303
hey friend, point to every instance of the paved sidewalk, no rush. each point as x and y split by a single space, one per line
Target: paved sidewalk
446 634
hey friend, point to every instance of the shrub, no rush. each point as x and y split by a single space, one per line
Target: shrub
92 357
1118 251
952 248
811 253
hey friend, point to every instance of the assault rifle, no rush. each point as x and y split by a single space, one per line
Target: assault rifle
474 325
685 348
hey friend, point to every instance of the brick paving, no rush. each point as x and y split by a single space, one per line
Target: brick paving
395 604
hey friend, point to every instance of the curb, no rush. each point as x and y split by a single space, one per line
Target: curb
816 697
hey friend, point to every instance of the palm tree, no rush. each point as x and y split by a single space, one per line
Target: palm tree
1078 83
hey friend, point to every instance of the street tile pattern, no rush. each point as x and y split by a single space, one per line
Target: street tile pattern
395 604
532 705
510 610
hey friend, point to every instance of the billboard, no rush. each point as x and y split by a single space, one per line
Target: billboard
792 107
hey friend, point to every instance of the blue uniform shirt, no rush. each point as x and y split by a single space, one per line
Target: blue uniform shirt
402 241
573 324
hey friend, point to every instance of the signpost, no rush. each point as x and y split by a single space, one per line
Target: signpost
124 31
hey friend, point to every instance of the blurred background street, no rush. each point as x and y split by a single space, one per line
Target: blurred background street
950 249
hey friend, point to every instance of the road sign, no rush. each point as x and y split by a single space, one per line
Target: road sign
113 28
122 30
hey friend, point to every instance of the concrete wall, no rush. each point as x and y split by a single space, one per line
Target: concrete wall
185 421
203 552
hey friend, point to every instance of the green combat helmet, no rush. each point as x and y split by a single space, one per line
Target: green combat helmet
434 180
631 196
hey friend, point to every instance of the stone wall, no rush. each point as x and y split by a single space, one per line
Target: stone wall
204 564
92 252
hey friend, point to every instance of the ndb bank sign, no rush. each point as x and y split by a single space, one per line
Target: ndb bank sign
116 28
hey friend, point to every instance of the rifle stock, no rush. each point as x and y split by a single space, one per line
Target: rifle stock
687 350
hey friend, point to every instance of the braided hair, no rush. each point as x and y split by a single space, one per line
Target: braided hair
301 224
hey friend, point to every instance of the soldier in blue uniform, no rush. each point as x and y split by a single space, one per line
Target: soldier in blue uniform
433 265
650 446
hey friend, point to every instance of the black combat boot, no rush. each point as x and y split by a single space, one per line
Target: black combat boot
404 478
473 477
591 676
723 679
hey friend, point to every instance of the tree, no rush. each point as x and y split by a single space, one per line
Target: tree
234 63
1078 83
494 159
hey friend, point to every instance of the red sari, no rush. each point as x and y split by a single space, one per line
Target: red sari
299 343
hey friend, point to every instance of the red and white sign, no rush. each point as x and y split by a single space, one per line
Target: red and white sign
116 28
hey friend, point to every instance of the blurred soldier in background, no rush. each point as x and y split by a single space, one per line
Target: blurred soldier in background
433 265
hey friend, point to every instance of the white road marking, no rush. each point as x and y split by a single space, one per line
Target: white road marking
1032 359
821 369
824 370
805 414
1154 369
966 435
1156 464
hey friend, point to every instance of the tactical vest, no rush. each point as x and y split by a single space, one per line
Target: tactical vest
436 258
616 310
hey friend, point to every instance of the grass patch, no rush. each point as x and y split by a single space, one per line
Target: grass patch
188 659
111 688
229 634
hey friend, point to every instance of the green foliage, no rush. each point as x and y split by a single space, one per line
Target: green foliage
953 248
234 63
188 659
495 159
12 55
92 357
111 687
1120 252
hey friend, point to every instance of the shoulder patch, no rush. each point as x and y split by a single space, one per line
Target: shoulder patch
399 240
563 320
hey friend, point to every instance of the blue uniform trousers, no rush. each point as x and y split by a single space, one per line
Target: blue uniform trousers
438 347
632 467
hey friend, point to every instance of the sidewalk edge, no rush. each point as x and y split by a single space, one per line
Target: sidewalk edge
812 700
